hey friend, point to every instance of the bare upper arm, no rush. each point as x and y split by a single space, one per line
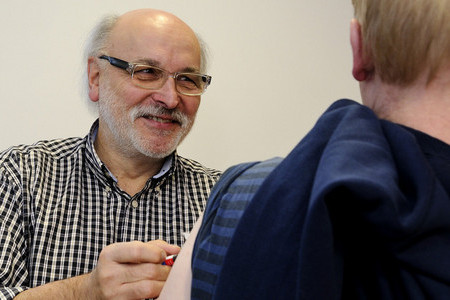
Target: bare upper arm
178 284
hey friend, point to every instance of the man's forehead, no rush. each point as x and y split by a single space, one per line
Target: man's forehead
148 22
157 63
153 32
155 38
156 15
156 53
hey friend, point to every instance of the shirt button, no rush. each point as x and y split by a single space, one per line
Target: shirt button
108 192
134 203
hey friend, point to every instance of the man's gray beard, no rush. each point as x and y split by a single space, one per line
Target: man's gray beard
157 110
120 129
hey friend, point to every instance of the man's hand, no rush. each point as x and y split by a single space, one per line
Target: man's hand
131 270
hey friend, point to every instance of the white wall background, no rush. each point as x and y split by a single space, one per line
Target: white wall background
276 65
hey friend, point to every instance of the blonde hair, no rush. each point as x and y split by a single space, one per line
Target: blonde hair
405 38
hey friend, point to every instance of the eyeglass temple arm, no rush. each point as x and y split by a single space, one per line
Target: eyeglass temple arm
117 62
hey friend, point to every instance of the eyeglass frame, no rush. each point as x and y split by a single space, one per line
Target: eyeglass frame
130 67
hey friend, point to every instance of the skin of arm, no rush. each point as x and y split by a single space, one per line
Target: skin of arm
178 284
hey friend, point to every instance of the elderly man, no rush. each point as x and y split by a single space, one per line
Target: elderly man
95 217
360 209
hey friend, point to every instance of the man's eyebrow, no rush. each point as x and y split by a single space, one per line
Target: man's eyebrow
190 70
148 61
155 63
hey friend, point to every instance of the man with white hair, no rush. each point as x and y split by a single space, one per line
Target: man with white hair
95 217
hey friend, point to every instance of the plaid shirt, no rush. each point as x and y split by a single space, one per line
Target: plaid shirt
60 207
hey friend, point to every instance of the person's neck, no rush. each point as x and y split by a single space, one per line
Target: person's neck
131 171
424 107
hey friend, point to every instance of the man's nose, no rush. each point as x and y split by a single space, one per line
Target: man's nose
169 96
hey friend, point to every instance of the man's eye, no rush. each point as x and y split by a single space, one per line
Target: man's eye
185 78
146 70
147 73
188 81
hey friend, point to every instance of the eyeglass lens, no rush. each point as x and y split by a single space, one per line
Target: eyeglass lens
154 78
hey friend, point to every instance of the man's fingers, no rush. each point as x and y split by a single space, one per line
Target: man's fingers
147 271
142 289
133 252
168 248
132 268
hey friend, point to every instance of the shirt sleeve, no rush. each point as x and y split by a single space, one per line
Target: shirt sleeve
13 238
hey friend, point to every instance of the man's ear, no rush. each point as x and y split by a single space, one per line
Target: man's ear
93 73
362 65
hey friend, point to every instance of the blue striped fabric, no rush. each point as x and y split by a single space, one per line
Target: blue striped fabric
226 204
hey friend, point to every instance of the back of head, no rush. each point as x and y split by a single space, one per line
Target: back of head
405 38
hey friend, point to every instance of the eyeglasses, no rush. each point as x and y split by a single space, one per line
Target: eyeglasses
153 78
